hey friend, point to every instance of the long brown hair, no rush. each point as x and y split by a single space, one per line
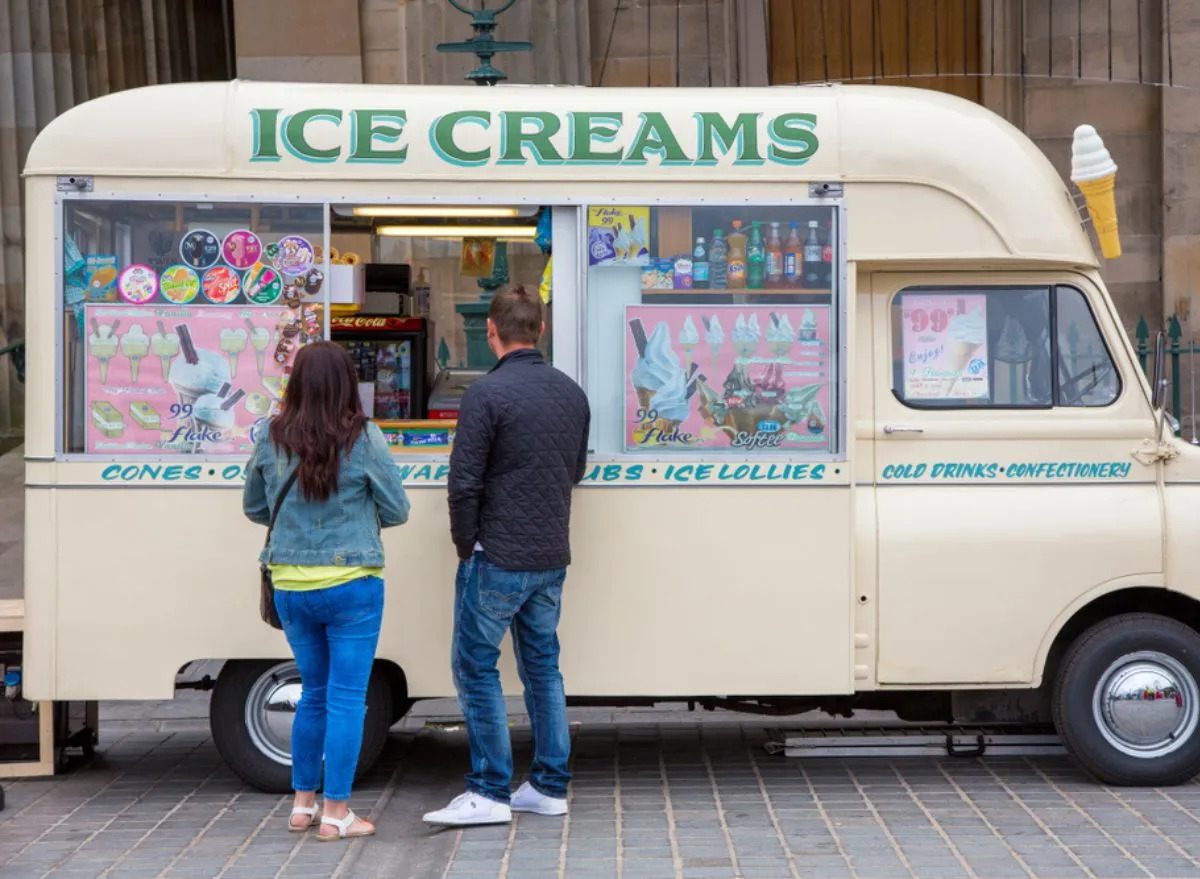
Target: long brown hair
322 416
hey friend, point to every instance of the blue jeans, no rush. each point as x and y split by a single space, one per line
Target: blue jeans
333 633
487 602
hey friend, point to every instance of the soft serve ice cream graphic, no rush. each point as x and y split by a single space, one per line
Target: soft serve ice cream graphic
966 334
1095 173
657 363
780 334
164 346
746 335
689 338
102 343
135 345
197 373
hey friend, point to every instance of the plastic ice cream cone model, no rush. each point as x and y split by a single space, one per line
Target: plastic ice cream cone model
746 336
102 343
1095 173
967 333
135 345
714 338
198 372
164 346
689 338
657 363
780 335
233 343
260 339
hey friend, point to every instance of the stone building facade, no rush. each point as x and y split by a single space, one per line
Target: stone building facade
1129 67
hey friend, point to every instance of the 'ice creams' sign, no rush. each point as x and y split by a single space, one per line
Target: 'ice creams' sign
945 352
473 138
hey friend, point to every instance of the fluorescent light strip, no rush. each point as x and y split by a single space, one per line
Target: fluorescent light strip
436 211
432 231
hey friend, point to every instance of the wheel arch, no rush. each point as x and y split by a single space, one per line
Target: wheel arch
1097 608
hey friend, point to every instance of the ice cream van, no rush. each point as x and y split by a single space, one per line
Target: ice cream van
867 432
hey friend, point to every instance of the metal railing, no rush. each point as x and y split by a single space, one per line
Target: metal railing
1176 349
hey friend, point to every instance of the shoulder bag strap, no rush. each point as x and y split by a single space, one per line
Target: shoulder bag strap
287 486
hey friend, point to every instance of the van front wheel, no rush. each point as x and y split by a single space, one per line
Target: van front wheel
253 705
1127 703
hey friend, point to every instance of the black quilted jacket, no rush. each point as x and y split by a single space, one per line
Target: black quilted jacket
520 447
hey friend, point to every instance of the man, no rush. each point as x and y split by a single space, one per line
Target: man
520 448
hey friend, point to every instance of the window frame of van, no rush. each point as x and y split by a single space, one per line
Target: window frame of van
954 405
840 295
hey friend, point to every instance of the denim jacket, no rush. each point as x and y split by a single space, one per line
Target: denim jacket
342 530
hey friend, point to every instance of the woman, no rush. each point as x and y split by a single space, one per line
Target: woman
326 561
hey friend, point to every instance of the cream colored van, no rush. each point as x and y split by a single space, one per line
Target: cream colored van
867 432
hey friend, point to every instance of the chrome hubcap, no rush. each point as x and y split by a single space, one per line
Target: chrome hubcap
270 710
1146 704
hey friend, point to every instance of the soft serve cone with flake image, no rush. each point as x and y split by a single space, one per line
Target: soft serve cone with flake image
102 344
780 335
657 362
260 339
1095 173
198 372
689 338
746 336
233 343
164 346
214 415
714 338
673 403
965 335
135 345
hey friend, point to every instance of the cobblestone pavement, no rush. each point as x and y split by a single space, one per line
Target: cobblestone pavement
677 799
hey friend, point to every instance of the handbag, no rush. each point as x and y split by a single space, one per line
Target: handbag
266 597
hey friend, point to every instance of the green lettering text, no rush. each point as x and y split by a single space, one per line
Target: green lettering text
265 128
794 138
716 133
295 137
589 128
656 136
514 138
441 137
375 136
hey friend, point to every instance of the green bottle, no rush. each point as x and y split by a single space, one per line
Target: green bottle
756 259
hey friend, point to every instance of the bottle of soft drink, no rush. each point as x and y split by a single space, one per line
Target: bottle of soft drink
827 258
813 262
700 267
792 256
737 257
774 258
756 259
718 260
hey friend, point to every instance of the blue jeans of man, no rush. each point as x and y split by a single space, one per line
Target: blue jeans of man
333 633
488 602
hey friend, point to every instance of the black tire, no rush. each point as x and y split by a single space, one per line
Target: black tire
266 769
1095 744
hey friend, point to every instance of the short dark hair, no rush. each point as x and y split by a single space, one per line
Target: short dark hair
518 316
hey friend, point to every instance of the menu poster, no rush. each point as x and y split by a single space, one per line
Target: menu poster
945 346
618 235
179 380
727 377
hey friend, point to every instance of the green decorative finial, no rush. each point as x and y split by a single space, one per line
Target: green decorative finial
484 45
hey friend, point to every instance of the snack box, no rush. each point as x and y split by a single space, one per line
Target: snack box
347 284
145 415
107 419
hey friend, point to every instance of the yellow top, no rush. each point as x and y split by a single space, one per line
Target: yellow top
306 578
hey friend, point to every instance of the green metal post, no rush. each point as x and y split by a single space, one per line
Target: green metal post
1174 333
1142 334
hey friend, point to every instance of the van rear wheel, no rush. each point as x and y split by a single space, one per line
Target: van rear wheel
251 713
1127 702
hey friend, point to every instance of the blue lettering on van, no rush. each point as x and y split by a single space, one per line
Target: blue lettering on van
1023 471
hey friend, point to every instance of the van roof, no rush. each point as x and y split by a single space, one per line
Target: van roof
588 139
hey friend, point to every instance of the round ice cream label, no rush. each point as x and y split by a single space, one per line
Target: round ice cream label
262 284
137 284
295 255
200 249
241 248
221 285
179 284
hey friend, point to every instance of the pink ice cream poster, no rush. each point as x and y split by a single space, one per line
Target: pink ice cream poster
945 352
179 380
728 377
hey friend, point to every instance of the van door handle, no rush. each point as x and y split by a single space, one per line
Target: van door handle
889 429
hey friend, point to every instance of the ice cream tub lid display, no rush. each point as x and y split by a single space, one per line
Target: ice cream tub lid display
262 284
179 284
221 285
200 249
137 284
241 248
292 255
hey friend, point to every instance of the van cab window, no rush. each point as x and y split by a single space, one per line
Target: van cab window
999 347
712 329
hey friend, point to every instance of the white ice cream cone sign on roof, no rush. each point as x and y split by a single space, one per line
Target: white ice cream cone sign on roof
1094 172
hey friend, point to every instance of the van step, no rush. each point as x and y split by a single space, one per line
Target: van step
916 741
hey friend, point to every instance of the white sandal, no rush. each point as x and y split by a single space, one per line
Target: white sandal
343 825
309 812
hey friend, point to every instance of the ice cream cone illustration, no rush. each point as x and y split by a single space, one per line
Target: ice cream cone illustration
260 339
198 372
689 338
135 345
164 346
656 364
746 336
233 343
672 403
967 334
102 343
1095 173
714 338
780 335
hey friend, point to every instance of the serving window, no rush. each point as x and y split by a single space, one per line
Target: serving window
713 329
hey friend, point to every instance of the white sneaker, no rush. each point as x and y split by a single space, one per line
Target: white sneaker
530 799
467 809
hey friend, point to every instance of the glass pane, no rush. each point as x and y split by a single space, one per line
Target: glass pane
1086 374
972 347
182 320
712 329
